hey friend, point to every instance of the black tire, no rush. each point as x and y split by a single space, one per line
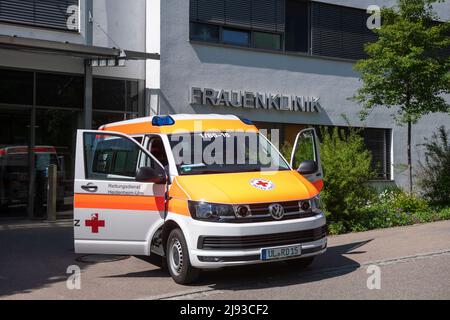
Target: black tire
301 263
178 263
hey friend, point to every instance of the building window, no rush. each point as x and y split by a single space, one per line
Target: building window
303 26
58 103
297 25
204 32
237 37
115 95
378 142
263 15
250 23
56 14
16 87
132 96
339 31
114 100
57 90
267 40
108 94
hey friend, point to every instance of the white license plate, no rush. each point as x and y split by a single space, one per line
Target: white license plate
281 252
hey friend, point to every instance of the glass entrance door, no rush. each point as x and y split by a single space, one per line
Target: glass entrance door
14 161
55 145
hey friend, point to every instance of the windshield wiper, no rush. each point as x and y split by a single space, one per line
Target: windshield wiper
206 171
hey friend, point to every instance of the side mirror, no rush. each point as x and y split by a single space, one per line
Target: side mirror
308 167
149 175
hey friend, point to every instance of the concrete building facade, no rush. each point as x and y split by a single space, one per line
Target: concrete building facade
64 65
284 64
235 54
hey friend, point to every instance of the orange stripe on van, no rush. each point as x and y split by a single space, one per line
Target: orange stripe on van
179 206
89 201
176 191
132 128
181 126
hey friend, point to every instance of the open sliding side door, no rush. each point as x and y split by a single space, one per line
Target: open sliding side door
117 207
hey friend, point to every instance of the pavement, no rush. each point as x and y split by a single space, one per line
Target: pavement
413 263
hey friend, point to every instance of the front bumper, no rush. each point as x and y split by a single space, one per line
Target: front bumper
219 258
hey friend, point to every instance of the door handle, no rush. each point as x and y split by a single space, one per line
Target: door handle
90 187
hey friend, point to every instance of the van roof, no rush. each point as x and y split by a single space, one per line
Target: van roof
181 123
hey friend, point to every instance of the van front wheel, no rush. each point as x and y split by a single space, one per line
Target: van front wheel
178 261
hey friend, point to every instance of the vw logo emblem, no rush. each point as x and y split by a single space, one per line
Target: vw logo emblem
277 211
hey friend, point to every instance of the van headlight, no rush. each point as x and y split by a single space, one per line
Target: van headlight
211 211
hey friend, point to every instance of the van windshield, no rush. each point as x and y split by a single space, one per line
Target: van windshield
224 152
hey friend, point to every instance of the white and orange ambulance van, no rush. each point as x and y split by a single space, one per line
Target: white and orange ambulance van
197 192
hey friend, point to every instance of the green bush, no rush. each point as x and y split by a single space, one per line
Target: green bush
352 205
434 176
409 204
443 214
393 208
347 171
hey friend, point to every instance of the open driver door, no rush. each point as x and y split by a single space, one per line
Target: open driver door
305 157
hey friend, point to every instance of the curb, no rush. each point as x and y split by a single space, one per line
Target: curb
63 223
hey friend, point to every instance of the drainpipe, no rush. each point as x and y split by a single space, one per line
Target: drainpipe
88 31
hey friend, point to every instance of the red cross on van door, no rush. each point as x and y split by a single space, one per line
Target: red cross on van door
94 223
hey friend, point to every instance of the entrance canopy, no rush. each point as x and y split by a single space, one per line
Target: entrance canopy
70 49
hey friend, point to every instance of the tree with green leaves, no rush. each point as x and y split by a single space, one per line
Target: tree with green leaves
408 67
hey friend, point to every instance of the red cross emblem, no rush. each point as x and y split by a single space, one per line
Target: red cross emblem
94 223
262 184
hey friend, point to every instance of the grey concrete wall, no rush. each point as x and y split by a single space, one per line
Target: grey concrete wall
185 65
123 21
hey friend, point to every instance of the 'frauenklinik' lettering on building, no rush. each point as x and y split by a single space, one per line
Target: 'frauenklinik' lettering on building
252 100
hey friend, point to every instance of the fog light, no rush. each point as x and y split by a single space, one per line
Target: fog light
242 211
209 259
305 206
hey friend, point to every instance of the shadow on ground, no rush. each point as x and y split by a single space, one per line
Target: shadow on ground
332 264
33 258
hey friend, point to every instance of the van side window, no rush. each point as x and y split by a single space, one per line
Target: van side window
138 139
156 148
110 157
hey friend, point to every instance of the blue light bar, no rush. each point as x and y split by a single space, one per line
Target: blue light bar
247 121
160 121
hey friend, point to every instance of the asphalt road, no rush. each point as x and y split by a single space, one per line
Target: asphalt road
414 263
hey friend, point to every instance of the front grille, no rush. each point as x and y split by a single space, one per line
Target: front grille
260 212
263 208
261 241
